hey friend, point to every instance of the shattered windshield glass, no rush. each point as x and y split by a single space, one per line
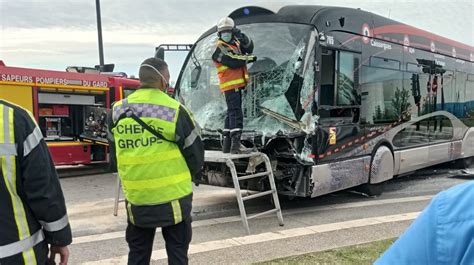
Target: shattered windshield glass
271 101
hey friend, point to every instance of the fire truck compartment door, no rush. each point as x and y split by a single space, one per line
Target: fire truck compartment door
46 98
20 95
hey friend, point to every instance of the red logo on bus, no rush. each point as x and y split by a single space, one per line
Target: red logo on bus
366 33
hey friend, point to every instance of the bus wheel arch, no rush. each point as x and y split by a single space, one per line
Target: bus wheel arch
381 170
382 165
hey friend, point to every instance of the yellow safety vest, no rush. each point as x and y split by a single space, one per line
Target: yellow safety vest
153 171
231 78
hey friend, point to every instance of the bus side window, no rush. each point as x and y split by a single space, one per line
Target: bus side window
339 85
327 78
347 79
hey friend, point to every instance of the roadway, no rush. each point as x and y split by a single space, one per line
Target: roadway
339 219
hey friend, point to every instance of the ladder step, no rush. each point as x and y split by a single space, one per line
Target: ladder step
256 195
266 173
263 213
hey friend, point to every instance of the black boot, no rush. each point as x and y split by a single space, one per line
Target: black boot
226 142
235 144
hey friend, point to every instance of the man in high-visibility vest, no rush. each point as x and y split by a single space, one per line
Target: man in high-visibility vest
32 209
159 152
231 58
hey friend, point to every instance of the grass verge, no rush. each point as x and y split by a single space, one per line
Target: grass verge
358 254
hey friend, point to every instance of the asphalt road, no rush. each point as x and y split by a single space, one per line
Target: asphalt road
339 219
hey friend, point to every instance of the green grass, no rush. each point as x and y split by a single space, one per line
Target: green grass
358 254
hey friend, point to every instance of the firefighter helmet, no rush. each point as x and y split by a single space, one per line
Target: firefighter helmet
224 24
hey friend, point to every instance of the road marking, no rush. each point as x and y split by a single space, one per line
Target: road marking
232 219
270 236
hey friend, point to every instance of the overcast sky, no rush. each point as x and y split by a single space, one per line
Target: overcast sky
53 34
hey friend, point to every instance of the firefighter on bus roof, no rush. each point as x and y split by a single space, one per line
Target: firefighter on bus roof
32 208
231 58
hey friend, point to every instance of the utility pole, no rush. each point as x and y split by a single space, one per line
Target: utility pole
99 32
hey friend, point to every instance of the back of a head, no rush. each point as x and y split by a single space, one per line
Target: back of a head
149 76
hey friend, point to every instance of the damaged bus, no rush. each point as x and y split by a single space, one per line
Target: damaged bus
338 98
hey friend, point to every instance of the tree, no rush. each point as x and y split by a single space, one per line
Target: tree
378 115
400 103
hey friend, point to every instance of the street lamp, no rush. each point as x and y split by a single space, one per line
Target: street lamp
99 32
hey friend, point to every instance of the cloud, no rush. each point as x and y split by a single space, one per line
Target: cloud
43 14
52 34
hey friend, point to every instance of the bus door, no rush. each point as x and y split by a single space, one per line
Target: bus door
339 101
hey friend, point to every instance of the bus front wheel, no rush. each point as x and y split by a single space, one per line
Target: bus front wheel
372 190
468 163
381 170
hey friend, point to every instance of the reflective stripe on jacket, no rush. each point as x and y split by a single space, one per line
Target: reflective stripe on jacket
153 171
32 207
231 78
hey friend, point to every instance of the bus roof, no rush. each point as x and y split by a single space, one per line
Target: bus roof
356 21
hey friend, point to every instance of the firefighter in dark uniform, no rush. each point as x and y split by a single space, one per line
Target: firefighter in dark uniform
33 218
231 57
159 152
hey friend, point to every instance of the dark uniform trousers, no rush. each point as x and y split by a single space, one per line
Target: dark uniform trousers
235 116
177 237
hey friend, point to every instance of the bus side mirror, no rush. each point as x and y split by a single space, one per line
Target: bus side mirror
195 73
160 53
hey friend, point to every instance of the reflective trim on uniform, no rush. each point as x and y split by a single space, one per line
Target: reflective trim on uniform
191 138
222 68
155 183
21 246
8 150
233 82
9 176
56 225
155 173
130 214
178 217
237 56
236 130
32 141
139 160
144 110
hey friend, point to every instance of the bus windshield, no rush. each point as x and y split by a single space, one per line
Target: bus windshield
276 79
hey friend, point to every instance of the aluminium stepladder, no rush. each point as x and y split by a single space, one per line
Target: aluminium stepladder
228 159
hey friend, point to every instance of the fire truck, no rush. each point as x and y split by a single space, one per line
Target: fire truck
70 108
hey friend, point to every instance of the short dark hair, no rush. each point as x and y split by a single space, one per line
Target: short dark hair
148 76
